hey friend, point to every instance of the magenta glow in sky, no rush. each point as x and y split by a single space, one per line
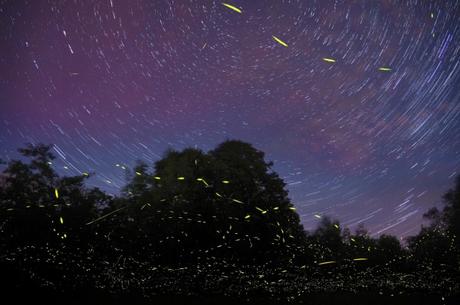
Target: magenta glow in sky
114 81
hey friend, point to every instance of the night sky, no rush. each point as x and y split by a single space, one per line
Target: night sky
112 81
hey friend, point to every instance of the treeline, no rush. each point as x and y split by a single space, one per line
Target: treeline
226 207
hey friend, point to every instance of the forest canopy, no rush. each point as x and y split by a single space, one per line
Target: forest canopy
191 210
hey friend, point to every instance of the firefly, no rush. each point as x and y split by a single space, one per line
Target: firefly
280 41
234 8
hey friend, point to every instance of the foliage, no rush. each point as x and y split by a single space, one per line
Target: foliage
192 210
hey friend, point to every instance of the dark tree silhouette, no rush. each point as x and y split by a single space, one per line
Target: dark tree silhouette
221 211
361 244
451 212
389 252
43 219
433 248
224 203
438 244
329 235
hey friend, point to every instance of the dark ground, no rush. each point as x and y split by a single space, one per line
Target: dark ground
31 296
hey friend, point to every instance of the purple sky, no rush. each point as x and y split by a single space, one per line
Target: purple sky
112 81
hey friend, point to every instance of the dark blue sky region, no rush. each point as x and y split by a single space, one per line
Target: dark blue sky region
112 81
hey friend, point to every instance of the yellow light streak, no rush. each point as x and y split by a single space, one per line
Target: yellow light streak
360 259
280 41
327 263
326 59
234 8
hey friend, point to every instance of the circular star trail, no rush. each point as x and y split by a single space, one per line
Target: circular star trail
356 102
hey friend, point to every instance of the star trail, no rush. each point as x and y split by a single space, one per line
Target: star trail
356 102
